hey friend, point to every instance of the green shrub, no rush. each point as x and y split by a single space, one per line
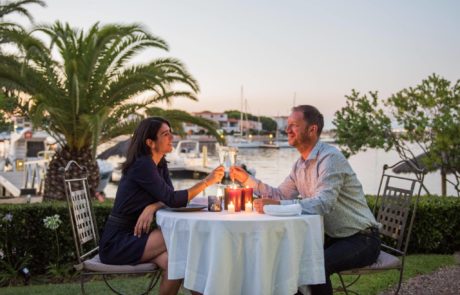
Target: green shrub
436 225
25 237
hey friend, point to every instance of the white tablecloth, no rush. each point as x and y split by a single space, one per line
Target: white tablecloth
243 253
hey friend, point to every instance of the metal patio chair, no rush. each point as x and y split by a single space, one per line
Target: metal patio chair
86 236
393 203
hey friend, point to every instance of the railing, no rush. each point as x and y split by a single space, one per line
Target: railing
35 174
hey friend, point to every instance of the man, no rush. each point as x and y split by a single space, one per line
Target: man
327 185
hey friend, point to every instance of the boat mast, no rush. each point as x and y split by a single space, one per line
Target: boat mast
241 112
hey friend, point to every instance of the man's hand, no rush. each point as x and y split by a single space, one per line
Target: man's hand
239 174
145 219
260 203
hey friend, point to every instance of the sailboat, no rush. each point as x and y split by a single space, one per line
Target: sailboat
238 140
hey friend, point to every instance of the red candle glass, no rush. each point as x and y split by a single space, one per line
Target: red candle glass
233 195
246 196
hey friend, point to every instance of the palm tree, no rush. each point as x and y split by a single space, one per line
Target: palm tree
80 81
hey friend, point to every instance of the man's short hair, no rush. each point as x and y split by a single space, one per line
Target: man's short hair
311 115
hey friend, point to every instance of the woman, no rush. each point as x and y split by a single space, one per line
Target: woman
145 186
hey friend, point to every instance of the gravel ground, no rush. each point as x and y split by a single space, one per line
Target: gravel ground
444 281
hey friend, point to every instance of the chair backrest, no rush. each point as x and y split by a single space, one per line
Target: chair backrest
393 202
81 213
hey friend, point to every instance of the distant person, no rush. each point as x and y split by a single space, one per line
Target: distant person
327 186
145 187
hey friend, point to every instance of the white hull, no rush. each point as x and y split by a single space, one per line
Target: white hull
105 174
242 143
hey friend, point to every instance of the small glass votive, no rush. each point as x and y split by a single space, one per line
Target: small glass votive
214 204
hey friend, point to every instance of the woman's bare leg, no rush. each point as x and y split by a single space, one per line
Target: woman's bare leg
166 286
155 250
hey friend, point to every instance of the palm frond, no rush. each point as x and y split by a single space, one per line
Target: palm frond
17 7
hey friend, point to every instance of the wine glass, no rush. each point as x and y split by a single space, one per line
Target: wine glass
232 159
221 154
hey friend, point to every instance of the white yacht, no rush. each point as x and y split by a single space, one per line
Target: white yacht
190 157
241 142
26 145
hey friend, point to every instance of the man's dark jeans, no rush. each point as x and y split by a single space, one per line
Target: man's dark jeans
351 252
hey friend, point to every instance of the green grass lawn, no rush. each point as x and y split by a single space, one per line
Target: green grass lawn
369 284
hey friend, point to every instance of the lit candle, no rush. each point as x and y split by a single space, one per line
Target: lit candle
248 207
233 194
246 196
231 208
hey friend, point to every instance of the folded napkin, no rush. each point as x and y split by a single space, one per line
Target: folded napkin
281 210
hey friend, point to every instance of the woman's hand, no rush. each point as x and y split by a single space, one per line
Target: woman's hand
145 219
215 176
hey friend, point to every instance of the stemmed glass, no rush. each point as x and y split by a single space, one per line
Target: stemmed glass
221 153
232 159
220 188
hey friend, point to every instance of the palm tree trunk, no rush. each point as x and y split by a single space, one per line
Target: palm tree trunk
54 182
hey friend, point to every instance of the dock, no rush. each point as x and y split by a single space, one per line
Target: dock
13 184
23 186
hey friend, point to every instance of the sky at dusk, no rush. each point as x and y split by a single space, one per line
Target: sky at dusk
316 51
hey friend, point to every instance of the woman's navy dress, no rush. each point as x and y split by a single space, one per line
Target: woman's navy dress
142 185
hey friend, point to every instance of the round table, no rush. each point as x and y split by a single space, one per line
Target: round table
243 253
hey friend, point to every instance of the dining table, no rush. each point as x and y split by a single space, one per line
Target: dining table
243 253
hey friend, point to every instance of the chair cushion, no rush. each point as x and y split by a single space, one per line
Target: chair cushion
384 261
95 264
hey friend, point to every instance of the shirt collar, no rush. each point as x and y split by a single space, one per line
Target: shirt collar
315 151
313 154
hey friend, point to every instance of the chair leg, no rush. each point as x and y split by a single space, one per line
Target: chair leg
344 287
104 276
82 284
400 280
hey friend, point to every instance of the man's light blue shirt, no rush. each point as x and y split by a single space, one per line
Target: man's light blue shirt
327 186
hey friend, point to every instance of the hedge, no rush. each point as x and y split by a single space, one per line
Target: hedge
436 226
25 241
436 230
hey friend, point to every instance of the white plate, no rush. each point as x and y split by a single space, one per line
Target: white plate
282 213
189 208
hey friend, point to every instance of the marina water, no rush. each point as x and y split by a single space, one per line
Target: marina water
273 166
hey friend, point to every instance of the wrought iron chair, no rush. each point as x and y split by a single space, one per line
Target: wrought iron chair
393 203
86 236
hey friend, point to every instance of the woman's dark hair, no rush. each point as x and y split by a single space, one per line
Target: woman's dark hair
147 129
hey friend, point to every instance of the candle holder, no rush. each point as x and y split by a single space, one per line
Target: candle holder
246 196
232 194
214 204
